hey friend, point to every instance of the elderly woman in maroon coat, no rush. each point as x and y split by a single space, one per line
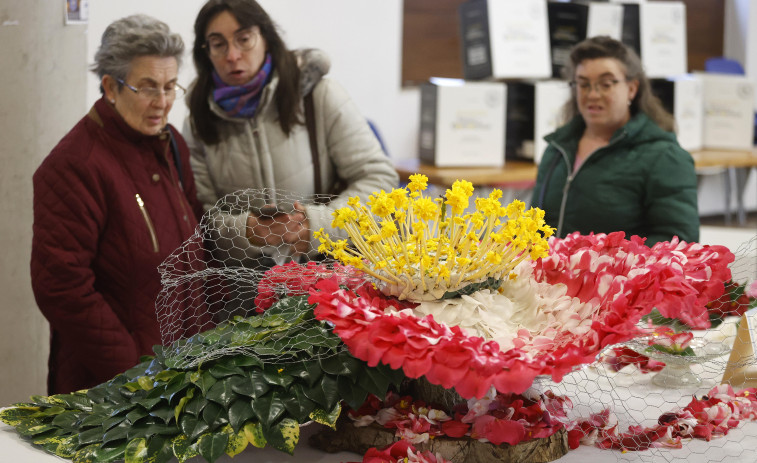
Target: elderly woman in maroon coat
113 199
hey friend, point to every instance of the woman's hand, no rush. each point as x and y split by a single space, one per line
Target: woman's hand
292 228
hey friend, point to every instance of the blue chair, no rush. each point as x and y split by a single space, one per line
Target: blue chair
723 65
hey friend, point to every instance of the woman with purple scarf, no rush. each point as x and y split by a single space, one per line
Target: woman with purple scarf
251 126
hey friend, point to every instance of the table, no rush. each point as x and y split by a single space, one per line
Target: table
522 174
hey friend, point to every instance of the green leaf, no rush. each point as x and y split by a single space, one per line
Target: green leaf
108 454
212 446
183 448
166 375
136 451
33 427
245 361
67 421
73 401
277 377
183 403
164 413
327 418
134 416
260 386
193 427
116 433
67 447
297 404
254 434
91 436
110 422
221 370
330 391
145 382
159 450
85 455
268 408
97 394
308 371
284 436
14 416
221 392
237 441
687 352
214 415
204 381
195 406
240 412
94 420
351 393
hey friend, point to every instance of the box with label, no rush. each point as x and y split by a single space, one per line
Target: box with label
663 38
727 111
534 109
682 97
570 23
462 123
504 39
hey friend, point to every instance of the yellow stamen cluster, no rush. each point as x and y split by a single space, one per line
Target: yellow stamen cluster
421 247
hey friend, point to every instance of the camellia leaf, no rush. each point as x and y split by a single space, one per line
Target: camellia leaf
214 415
136 451
284 436
221 392
182 403
116 433
145 382
204 381
254 434
212 446
107 454
310 372
67 447
193 427
297 404
327 418
221 370
195 406
268 408
33 427
351 393
239 413
164 413
277 377
91 436
159 450
14 416
86 455
237 441
183 448
330 391
259 385
166 375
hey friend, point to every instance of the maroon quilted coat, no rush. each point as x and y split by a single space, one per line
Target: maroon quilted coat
108 209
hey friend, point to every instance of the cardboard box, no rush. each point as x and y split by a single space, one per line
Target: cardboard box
728 111
462 123
663 38
534 110
570 23
682 96
504 39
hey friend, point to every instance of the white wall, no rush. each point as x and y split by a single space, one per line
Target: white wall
362 37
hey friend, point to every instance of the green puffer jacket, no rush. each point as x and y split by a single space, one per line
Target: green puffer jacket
642 183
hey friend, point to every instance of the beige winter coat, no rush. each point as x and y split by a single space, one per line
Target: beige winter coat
256 153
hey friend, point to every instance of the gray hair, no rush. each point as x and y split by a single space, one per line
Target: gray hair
131 37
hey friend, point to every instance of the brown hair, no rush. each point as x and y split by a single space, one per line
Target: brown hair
287 98
606 47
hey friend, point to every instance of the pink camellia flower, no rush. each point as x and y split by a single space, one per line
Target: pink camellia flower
751 290
664 336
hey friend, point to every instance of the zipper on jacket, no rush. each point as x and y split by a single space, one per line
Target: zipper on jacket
572 175
148 221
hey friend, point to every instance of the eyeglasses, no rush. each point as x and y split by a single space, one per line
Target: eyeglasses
603 87
153 93
243 40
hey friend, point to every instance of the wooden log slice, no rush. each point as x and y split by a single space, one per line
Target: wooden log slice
349 438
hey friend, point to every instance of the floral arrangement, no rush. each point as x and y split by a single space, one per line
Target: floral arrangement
420 248
619 279
709 417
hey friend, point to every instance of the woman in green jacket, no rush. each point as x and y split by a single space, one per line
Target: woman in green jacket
616 165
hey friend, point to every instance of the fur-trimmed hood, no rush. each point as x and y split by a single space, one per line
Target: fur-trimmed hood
313 64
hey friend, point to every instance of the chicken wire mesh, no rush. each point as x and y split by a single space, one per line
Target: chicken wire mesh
219 277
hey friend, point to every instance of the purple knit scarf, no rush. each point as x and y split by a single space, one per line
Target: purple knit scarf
242 100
